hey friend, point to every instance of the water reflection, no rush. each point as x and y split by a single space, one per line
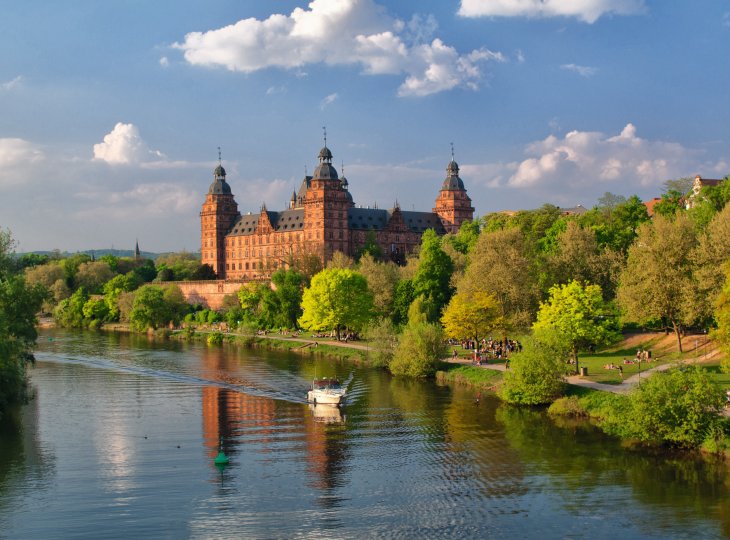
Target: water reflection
578 460
135 426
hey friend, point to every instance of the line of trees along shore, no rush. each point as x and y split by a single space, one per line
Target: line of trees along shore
572 281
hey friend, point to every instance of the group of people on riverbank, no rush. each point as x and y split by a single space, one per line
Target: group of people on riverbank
488 349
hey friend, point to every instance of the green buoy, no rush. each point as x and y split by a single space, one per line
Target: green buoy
221 458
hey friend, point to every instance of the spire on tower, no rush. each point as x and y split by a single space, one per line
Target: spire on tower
324 129
452 151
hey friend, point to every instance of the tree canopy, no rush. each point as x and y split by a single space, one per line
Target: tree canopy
336 298
578 315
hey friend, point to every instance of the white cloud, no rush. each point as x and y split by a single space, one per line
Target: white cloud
124 146
11 84
520 56
583 71
585 10
141 200
164 62
347 32
586 158
14 154
726 18
328 101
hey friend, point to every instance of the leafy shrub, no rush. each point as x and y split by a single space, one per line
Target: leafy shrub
567 406
215 338
535 376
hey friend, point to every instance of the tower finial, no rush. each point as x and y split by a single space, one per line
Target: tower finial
324 129
452 151
305 170
342 167
219 155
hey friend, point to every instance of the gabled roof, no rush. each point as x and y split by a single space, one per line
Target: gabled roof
285 221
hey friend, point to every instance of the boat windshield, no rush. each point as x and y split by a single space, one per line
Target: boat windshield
321 384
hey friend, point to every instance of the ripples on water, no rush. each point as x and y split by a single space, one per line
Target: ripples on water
121 438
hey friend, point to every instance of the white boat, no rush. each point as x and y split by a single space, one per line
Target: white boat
327 392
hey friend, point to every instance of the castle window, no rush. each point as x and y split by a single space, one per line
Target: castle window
239 266
246 266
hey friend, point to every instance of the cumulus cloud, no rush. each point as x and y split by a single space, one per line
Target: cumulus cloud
164 62
586 158
583 71
16 153
328 100
347 32
11 84
124 146
585 10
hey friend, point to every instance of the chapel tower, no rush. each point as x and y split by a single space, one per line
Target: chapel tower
217 216
453 205
325 209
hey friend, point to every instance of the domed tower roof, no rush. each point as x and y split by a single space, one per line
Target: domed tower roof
452 180
325 155
325 170
219 185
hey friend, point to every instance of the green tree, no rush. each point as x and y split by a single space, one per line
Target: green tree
433 277
402 299
19 303
472 315
535 375
711 253
336 299
93 275
370 247
70 312
722 316
615 225
671 202
577 256
578 315
420 346
155 306
383 339
657 282
501 265
382 278
680 408
289 289
114 288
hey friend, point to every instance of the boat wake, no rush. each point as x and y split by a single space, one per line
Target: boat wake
295 395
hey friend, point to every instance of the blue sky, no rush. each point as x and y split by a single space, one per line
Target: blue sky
111 112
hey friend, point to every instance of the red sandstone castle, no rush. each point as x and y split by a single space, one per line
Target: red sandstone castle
321 219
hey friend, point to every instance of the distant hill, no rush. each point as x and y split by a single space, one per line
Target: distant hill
96 253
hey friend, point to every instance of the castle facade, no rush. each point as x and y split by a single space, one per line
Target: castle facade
321 219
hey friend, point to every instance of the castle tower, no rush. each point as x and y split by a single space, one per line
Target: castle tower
325 210
217 216
453 205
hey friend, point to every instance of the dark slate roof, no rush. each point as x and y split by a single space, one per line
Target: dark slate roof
452 180
219 186
285 221
306 183
325 171
367 218
377 219
420 221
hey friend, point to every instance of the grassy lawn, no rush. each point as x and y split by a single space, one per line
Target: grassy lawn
474 376
595 362
719 378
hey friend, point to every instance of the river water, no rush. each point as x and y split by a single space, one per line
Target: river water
120 440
